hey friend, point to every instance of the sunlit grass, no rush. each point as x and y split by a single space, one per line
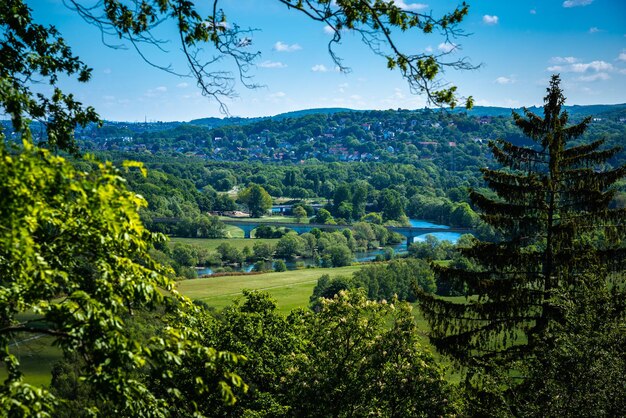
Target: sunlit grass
291 289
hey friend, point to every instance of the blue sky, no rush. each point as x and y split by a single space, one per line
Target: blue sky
518 45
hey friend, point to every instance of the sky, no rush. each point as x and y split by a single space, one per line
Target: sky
516 44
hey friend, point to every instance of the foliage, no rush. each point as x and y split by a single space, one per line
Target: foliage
363 358
401 278
338 254
256 199
279 266
353 358
300 213
229 253
534 291
74 252
34 52
263 251
289 246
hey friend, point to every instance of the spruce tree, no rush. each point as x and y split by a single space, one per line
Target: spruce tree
561 245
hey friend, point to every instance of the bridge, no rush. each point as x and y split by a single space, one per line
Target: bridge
410 232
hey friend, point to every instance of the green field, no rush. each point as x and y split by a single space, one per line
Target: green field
291 289
36 356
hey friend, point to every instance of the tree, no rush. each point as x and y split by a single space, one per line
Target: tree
339 254
289 246
73 252
560 260
256 199
300 213
229 253
323 217
280 266
391 203
263 251
364 358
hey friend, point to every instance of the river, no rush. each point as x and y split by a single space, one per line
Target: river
366 255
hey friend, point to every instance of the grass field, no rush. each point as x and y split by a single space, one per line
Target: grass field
291 289
36 356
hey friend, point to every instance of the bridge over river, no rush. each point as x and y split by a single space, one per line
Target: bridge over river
410 232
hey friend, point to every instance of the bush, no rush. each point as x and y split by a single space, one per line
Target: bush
279 265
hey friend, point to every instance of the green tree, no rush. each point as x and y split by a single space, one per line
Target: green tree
323 217
401 278
74 252
280 266
551 272
300 213
229 253
339 254
289 246
364 358
256 199
263 250
391 203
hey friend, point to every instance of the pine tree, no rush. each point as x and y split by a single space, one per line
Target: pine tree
560 241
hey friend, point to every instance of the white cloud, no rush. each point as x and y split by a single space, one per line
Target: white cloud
272 64
446 47
161 89
594 30
398 94
329 30
594 77
504 80
319 68
283 47
490 20
277 95
575 3
182 85
589 71
593 65
356 97
409 6
428 49
622 56
581 67
563 60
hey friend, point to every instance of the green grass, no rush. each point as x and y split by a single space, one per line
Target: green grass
212 244
37 356
291 289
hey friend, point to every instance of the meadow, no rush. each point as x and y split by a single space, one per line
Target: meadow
291 289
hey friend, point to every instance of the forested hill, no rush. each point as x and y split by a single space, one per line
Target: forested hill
453 141
576 111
